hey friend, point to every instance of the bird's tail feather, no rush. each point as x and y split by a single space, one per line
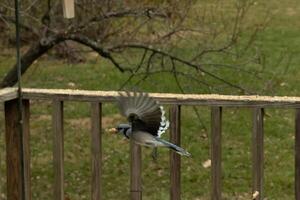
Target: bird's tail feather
174 147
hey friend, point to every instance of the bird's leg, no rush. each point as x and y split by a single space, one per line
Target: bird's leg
154 154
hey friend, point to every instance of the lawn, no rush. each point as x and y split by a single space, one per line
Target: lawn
281 36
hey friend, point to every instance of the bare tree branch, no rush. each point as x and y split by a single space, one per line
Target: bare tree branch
146 12
197 67
96 47
9 19
33 53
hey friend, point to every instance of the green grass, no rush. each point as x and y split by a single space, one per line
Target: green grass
282 35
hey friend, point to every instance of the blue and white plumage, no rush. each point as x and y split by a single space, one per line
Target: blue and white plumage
147 121
164 123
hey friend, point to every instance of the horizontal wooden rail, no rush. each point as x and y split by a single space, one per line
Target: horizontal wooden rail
167 98
7 94
164 98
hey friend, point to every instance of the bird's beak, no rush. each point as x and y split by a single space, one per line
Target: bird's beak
113 130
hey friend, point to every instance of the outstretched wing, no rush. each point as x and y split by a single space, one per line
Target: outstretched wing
143 112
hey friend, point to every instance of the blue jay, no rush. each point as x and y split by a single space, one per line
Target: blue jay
146 119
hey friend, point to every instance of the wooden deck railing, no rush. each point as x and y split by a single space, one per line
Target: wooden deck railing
96 98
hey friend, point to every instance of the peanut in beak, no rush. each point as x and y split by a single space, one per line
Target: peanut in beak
113 130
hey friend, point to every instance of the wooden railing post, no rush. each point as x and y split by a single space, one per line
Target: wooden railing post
258 153
96 148
26 147
297 155
58 149
175 162
216 168
135 168
13 155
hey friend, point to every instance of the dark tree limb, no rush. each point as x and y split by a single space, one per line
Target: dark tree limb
33 53
41 47
12 20
195 66
96 47
146 12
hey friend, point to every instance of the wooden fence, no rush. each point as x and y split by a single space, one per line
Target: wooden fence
97 98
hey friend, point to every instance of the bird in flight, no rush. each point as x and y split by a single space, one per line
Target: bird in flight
146 121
